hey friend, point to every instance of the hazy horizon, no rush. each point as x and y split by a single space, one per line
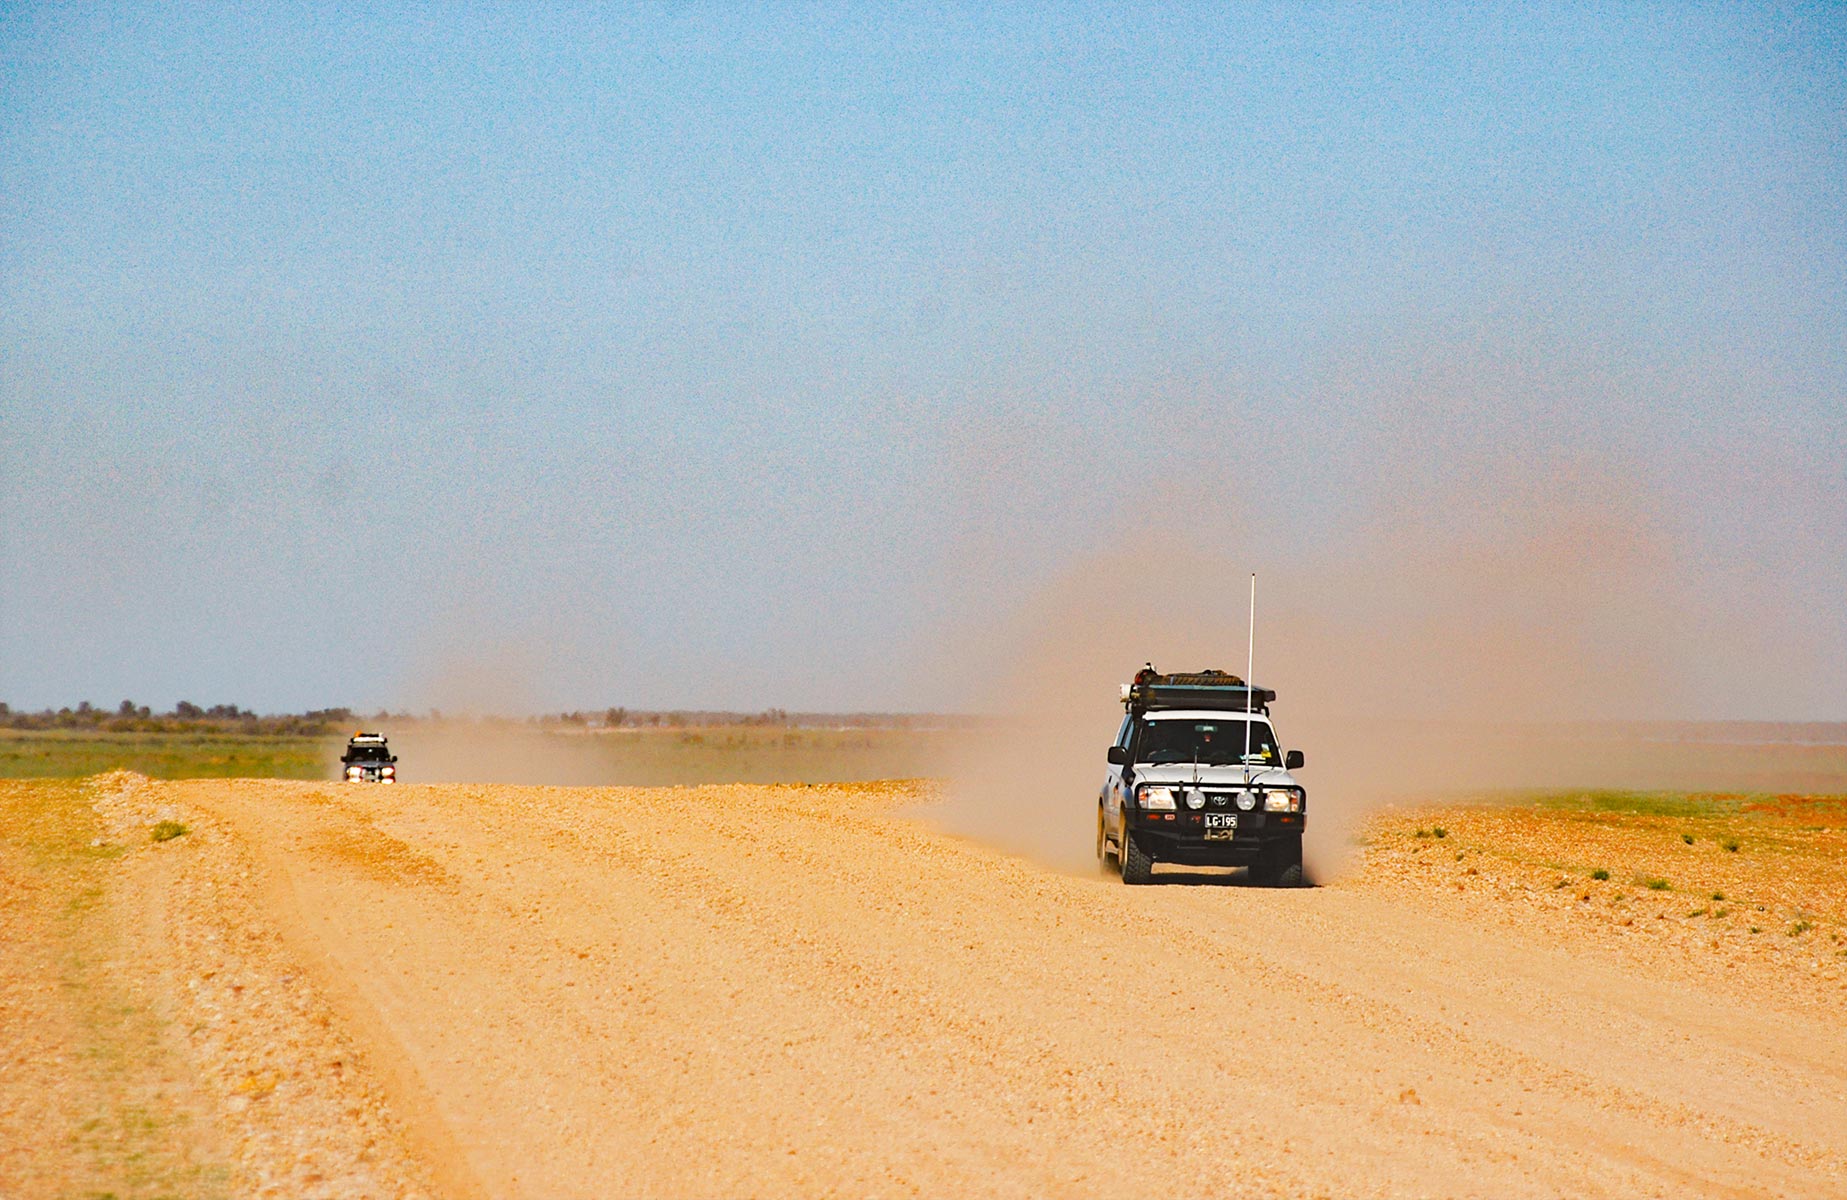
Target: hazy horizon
830 360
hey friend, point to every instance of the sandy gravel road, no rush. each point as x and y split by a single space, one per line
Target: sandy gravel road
797 991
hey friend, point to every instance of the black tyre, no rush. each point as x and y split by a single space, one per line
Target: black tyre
1137 865
1104 857
1281 864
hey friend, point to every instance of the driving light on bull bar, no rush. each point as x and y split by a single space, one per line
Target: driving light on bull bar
388 771
352 772
1153 798
1195 798
1281 802
1247 800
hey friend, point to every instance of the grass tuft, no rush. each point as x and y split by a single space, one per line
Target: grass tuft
1600 874
1439 831
1660 885
1718 895
1687 838
1731 844
1799 927
166 831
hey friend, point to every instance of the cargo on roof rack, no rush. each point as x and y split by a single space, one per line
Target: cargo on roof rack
1212 690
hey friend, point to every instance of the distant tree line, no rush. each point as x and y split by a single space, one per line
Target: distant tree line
129 717
629 718
186 717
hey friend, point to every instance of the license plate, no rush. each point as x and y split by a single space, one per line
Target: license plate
1225 821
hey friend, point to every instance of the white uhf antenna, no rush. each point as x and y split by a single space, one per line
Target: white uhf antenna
1250 686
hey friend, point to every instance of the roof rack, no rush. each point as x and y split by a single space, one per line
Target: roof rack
1213 690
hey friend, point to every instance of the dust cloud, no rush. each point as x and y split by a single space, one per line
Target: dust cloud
488 750
1489 560
1510 632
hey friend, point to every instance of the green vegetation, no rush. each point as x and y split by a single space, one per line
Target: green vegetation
1659 885
507 751
1731 845
1687 838
72 754
166 831
1799 927
656 757
1600 874
1650 804
1439 831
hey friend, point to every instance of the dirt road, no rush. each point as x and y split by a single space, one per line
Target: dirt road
803 991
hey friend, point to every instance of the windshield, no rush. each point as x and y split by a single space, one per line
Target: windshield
1213 741
367 754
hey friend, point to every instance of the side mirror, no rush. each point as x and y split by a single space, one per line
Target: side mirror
1118 756
1293 761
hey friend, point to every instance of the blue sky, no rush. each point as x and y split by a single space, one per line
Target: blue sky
727 357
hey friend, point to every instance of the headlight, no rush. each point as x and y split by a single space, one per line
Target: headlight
1247 800
1156 798
352 772
389 771
1282 801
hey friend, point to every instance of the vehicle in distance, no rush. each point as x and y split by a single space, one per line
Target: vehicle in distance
1197 777
368 759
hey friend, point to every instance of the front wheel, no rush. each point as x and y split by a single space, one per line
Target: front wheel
1137 866
1104 856
1281 863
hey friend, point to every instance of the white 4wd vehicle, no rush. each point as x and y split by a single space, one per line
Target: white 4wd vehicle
368 759
1197 776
